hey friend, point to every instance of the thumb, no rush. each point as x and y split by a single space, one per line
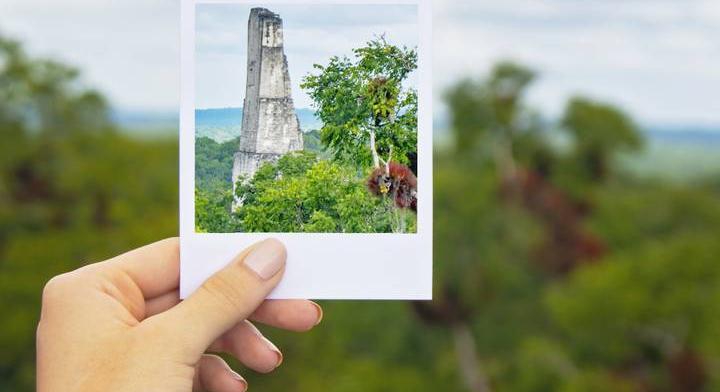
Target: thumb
230 295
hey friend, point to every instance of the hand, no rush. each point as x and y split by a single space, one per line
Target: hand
119 326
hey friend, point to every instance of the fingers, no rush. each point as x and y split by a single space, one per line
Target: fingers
155 268
214 375
230 295
295 315
291 314
250 347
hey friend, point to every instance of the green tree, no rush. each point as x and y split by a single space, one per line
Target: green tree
212 212
301 193
213 163
368 115
598 131
489 116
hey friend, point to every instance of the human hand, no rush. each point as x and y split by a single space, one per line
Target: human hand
119 325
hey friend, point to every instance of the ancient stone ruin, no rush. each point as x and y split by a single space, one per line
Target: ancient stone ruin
270 127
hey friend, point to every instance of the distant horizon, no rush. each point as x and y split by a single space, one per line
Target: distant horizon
670 126
158 113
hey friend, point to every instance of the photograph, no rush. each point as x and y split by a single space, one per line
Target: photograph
310 123
306 118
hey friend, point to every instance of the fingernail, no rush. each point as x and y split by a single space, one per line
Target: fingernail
274 349
267 258
239 378
319 313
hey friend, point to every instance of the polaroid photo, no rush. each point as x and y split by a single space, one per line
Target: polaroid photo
309 122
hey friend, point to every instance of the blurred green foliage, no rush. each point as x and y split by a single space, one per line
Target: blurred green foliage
72 191
547 276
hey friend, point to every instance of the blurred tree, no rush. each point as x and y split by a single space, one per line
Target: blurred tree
492 128
478 258
598 131
488 116
644 312
50 121
70 192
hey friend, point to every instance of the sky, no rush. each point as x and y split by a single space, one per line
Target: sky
312 34
660 60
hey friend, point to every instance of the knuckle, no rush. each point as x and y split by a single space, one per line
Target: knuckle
56 288
226 292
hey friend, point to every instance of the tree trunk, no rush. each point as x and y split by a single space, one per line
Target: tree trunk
373 150
470 369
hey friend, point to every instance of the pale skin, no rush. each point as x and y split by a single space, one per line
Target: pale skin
119 326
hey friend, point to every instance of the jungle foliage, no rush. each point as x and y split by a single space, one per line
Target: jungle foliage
365 108
368 117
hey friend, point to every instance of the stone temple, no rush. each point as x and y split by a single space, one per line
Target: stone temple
270 127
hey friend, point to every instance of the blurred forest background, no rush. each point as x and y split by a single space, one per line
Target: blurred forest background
564 260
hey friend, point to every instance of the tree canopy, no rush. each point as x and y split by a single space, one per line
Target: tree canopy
366 110
301 193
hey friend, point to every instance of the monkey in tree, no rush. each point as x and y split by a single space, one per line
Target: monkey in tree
396 181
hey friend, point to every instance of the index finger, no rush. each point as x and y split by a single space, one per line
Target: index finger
155 268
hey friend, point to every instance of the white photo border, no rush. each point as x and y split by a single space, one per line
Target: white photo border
319 265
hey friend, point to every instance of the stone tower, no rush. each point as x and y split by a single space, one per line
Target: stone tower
270 127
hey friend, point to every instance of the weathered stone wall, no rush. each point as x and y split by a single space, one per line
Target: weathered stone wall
248 162
270 126
278 129
274 71
252 88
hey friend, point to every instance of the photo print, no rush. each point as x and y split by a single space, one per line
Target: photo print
310 122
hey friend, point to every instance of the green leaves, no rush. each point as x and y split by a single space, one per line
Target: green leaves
212 212
366 94
301 193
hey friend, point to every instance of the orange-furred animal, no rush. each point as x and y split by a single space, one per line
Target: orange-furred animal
397 181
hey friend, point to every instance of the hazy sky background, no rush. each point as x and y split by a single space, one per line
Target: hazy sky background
312 34
659 59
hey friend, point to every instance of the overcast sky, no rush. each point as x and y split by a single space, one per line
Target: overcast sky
312 34
659 59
